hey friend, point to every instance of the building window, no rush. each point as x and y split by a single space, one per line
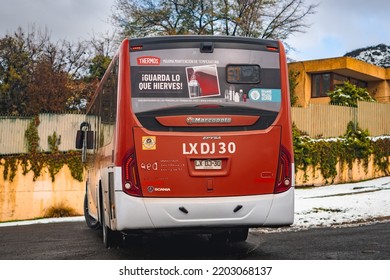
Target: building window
338 80
322 83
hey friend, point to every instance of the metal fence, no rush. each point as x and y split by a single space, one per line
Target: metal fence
375 117
12 139
316 120
331 121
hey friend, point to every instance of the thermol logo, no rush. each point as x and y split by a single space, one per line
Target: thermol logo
148 60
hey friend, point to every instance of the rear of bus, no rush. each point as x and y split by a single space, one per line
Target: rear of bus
204 140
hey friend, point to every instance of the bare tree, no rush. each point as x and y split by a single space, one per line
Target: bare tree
104 44
148 17
286 19
271 19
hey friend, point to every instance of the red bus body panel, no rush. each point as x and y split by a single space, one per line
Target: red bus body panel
168 169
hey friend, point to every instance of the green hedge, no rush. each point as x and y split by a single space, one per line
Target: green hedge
324 154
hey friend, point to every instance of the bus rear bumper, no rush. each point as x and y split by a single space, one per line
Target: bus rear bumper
243 211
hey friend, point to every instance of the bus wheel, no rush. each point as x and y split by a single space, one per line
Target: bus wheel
111 238
89 220
238 234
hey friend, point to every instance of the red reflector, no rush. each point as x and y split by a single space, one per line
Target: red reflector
283 182
136 48
130 177
128 169
274 49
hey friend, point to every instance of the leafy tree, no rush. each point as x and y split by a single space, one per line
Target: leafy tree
98 66
349 94
28 64
48 90
268 19
37 75
15 72
103 48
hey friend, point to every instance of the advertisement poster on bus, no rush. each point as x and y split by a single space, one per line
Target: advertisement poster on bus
167 78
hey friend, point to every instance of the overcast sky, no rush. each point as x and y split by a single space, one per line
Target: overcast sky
64 19
338 26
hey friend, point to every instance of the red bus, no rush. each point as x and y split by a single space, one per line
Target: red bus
190 132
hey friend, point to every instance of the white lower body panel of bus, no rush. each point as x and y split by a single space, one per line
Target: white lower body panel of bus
140 213
154 213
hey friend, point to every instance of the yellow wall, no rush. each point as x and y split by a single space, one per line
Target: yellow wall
24 199
344 175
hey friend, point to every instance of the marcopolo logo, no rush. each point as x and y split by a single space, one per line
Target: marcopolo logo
148 60
195 120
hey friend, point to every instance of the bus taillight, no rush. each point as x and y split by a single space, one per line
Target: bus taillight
131 182
284 178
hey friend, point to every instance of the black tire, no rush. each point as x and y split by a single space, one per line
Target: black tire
111 238
89 220
238 234
106 234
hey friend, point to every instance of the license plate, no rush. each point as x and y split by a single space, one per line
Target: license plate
208 164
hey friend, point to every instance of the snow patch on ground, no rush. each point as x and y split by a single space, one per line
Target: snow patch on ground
341 205
43 221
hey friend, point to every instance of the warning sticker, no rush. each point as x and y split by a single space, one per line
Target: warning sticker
148 143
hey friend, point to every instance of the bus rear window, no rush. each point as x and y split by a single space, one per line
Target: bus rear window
243 74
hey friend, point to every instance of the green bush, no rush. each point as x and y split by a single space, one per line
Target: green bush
357 145
324 154
348 95
35 160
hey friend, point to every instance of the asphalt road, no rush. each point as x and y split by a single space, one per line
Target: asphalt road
73 240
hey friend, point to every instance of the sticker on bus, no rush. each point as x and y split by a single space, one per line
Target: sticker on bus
148 143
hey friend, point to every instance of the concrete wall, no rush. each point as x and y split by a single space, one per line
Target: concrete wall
344 175
24 199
